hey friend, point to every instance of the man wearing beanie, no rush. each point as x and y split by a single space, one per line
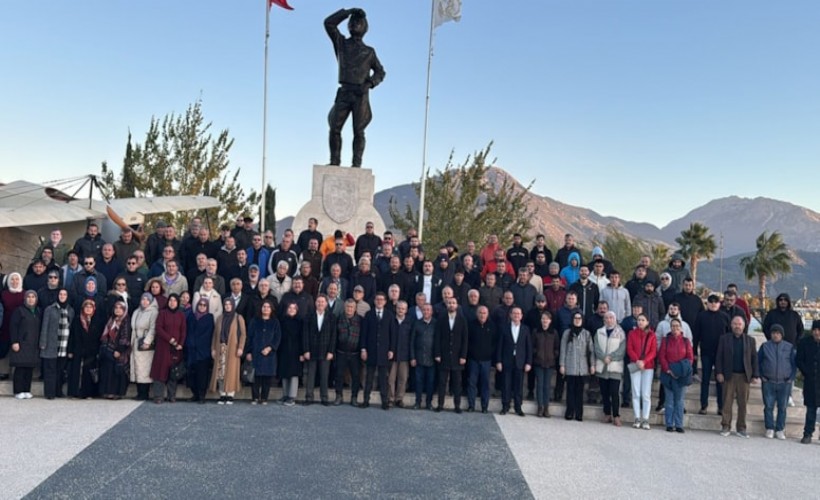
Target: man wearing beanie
776 359
808 361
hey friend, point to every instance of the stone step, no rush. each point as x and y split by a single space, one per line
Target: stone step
691 420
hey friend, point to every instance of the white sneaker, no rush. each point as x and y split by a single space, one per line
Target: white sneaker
20 395
725 432
780 435
645 425
769 433
791 402
29 395
637 424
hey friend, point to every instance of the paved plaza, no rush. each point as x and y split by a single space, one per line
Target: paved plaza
103 449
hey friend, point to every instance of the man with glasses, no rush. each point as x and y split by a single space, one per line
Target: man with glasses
367 242
258 254
340 257
268 240
134 280
168 254
89 270
244 232
47 295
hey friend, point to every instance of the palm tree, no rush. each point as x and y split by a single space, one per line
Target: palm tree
696 243
771 258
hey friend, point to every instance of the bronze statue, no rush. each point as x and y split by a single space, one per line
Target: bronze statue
359 71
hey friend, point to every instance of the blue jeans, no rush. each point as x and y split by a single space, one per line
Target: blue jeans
707 363
478 383
425 383
673 416
775 394
542 384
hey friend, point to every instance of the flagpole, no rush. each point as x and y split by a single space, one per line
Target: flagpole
426 121
265 118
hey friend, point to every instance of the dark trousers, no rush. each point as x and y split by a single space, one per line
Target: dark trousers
454 377
626 383
21 379
51 378
143 391
347 361
323 367
383 372
478 374
513 386
575 397
811 421
80 382
425 383
198 378
610 387
170 386
707 364
530 383
558 394
260 390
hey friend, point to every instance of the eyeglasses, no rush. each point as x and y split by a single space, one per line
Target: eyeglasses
665 279
91 263
120 284
53 277
339 244
131 263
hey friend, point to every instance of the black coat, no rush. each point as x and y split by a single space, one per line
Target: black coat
86 344
808 362
290 348
379 337
451 344
511 353
25 330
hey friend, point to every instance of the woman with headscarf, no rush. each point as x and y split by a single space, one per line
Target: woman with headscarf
609 346
11 299
54 333
89 292
156 288
83 348
208 292
143 329
264 335
227 347
667 291
25 341
170 339
200 332
290 354
575 364
115 352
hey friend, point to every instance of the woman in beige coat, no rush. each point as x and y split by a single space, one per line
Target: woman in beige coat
227 348
143 323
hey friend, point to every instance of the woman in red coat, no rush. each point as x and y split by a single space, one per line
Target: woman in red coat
676 373
170 337
642 348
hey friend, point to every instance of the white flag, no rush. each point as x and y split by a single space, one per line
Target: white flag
446 10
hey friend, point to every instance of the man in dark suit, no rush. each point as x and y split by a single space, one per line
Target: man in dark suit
450 352
319 340
514 357
378 345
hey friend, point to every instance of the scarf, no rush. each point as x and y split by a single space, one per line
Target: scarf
150 298
574 332
198 315
63 330
85 287
19 288
227 319
85 321
176 299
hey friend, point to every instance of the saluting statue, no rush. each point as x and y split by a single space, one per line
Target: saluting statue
359 71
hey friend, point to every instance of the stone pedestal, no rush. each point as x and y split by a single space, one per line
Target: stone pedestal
342 198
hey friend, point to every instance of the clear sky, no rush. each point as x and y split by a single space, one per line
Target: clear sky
641 109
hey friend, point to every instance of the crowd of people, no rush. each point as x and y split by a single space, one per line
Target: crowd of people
391 316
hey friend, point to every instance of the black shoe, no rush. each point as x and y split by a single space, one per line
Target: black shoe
429 407
366 404
308 402
530 396
458 410
353 403
417 406
399 404
325 403
470 409
806 440
385 406
4 376
438 409
624 405
504 411
201 401
670 429
659 408
519 412
679 430
579 419
337 401
484 410
702 411
567 416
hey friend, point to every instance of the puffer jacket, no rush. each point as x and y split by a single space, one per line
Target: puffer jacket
614 346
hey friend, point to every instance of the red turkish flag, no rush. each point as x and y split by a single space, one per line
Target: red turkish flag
280 3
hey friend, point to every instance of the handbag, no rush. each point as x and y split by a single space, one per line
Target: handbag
248 372
141 343
178 371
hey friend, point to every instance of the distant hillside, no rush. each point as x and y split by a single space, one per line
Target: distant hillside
741 220
805 271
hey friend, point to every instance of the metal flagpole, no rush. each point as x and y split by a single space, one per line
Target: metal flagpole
426 118
265 117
